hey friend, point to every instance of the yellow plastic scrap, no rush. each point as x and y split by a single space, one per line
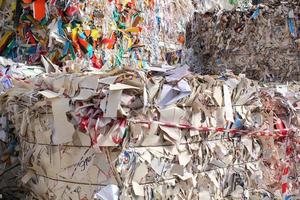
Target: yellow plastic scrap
95 34
13 6
132 30
74 34
140 63
5 37
129 43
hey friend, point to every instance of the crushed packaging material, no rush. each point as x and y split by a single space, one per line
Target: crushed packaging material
263 43
165 134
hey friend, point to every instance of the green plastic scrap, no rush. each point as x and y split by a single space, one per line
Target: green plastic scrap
119 56
233 2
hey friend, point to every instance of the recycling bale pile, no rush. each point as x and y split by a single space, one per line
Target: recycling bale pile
130 135
10 167
100 34
165 133
263 43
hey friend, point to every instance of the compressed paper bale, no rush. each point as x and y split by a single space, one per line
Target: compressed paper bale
236 139
262 43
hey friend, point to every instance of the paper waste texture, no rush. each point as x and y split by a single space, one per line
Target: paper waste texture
220 137
262 42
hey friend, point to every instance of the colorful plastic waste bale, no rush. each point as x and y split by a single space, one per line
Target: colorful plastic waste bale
126 30
101 31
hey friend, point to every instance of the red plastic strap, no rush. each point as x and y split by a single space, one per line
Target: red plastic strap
285 171
278 132
284 188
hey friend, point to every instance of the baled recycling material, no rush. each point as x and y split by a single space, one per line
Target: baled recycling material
165 134
97 99
103 33
10 166
263 43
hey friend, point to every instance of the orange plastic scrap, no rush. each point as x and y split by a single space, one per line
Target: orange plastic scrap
151 4
133 29
181 39
136 21
39 9
87 32
112 41
77 49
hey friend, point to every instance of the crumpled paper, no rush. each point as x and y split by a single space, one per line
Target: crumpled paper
228 138
262 43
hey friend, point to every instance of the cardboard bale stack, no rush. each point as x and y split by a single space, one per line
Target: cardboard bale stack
131 135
